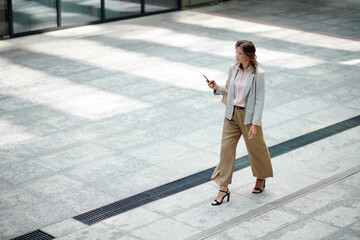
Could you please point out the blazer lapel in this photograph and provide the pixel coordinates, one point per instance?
(249, 81)
(232, 79)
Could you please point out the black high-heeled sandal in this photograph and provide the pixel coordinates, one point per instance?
(259, 189)
(227, 194)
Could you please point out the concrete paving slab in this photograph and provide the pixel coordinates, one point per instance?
(6, 185)
(259, 227)
(19, 222)
(164, 228)
(23, 171)
(71, 193)
(98, 231)
(205, 138)
(129, 139)
(160, 151)
(63, 228)
(44, 146)
(304, 230)
(282, 185)
(199, 162)
(206, 216)
(295, 127)
(353, 103)
(340, 216)
(132, 220)
(351, 181)
(329, 116)
(343, 234)
(74, 156)
(309, 160)
(307, 105)
(317, 200)
(17, 199)
(158, 175)
(40, 120)
(180, 202)
(14, 134)
(88, 173)
(355, 227)
(92, 131)
(117, 187)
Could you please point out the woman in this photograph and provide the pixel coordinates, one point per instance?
(244, 108)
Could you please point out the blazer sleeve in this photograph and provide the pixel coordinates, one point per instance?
(221, 89)
(259, 99)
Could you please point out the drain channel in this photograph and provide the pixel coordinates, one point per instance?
(35, 235)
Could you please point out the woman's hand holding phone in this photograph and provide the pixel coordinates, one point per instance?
(211, 83)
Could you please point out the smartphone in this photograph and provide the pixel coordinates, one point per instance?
(206, 78)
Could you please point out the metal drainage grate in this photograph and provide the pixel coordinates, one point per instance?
(199, 178)
(35, 235)
(143, 198)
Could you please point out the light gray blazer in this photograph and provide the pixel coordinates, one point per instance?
(254, 95)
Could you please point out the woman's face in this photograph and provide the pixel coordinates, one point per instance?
(240, 56)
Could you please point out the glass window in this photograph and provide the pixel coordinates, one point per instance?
(77, 12)
(121, 8)
(33, 15)
(160, 5)
(4, 21)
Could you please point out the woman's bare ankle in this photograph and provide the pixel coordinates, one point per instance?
(223, 188)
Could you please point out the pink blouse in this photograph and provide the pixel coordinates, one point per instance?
(240, 85)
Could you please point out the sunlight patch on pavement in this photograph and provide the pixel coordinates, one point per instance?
(286, 60)
(13, 134)
(217, 47)
(79, 32)
(354, 62)
(269, 31)
(64, 95)
(137, 64)
(191, 42)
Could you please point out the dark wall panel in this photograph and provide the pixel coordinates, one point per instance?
(4, 19)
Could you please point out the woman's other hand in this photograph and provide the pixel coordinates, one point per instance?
(212, 84)
(252, 132)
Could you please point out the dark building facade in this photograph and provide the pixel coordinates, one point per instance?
(23, 17)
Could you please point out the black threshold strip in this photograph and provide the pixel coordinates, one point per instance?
(194, 180)
(199, 178)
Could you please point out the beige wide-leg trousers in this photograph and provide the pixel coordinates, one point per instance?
(258, 152)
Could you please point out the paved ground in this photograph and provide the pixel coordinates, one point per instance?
(94, 114)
